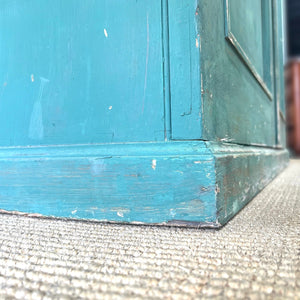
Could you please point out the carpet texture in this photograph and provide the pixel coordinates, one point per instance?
(256, 256)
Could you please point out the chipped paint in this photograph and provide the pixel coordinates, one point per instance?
(120, 214)
(172, 213)
(65, 177)
(105, 32)
(154, 164)
(179, 171)
(97, 167)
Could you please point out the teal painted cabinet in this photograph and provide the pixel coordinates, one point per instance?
(141, 111)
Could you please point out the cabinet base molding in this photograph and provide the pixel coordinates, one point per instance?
(192, 183)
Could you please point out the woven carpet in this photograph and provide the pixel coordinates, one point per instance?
(255, 256)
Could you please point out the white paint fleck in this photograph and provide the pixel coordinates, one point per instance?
(32, 78)
(110, 108)
(197, 162)
(120, 214)
(74, 212)
(105, 33)
(153, 164)
(197, 43)
(201, 82)
(172, 212)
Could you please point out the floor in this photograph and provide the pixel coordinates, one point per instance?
(256, 256)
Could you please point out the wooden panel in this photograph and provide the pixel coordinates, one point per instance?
(248, 28)
(145, 182)
(245, 24)
(241, 172)
(185, 82)
(236, 108)
(177, 183)
(77, 71)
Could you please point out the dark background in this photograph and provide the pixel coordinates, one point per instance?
(293, 27)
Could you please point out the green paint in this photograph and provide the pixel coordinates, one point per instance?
(185, 89)
(150, 183)
(236, 106)
(74, 72)
(171, 112)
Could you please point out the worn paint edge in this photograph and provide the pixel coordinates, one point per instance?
(272, 161)
(174, 148)
(172, 223)
(142, 206)
(166, 69)
(241, 173)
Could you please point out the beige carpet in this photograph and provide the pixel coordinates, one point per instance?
(256, 256)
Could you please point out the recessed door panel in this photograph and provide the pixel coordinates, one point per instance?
(87, 71)
(248, 28)
(237, 69)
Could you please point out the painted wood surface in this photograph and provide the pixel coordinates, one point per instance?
(241, 172)
(77, 72)
(150, 182)
(236, 108)
(185, 87)
(92, 101)
(252, 42)
(165, 183)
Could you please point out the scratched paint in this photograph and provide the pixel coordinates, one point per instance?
(105, 33)
(98, 166)
(123, 69)
(185, 69)
(36, 126)
(154, 162)
(237, 107)
(241, 174)
(72, 184)
(101, 116)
